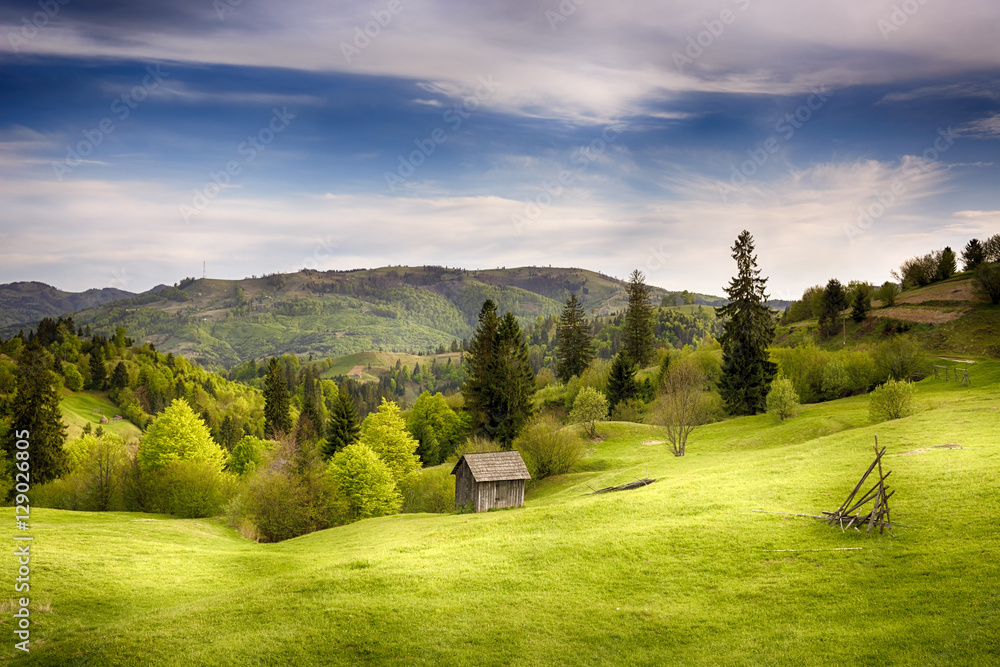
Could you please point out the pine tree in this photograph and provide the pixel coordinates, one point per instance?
(834, 300)
(947, 264)
(35, 417)
(98, 373)
(748, 331)
(574, 347)
(344, 426)
(478, 389)
(973, 255)
(119, 378)
(621, 381)
(515, 382)
(637, 343)
(862, 304)
(277, 418)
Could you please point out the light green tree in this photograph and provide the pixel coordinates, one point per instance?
(365, 482)
(384, 432)
(436, 427)
(589, 407)
(178, 434)
(248, 454)
(782, 400)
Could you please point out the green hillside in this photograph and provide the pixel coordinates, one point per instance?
(81, 408)
(683, 571)
(336, 313)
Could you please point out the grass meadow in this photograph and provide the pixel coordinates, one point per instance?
(683, 571)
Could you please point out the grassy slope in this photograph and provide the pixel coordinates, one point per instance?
(679, 572)
(77, 410)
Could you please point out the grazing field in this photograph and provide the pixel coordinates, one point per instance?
(679, 572)
(78, 410)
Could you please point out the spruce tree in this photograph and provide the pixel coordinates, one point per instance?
(574, 347)
(98, 373)
(478, 389)
(514, 380)
(973, 255)
(344, 427)
(35, 416)
(621, 381)
(637, 342)
(119, 378)
(277, 418)
(748, 331)
(833, 301)
(862, 304)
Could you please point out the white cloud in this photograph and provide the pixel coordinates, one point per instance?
(983, 128)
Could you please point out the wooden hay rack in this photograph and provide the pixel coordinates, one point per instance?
(851, 513)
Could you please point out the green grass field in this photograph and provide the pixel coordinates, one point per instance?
(78, 407)
(680, 572)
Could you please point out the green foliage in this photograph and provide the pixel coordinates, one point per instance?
(833, 302)
(630, 410)
(98, 372)
(973, 255)
(900, 358)
(74, 379)
(474, 444)
(621, 382)
(436, 427)
(248, 454)
(272, 504)
(433, 492)
(892, 400)
(947, 264)
(548, 449)
(277, 416)
(384, 432)
(887, 293)
(836, 382)
(637, 339)
(682, 406)
(574, 348)
(190, 488)
(589, 407)
(919, 271)
(98, 466)
(344, 427)
(178, 434)
(34, 414)
(782, 401)
(862, 303)
(987, 281)
(364, 479)
(748, 332)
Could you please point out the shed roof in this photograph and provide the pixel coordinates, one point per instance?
(495, 466)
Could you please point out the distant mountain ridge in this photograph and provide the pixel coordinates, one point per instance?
(335, 313)
(28, 302)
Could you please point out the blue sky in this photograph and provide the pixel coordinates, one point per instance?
(139, 140)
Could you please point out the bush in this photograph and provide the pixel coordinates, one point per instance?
(631, 410)
(892, 400)
(804, 366)
(272, 506)
(987, 282)
(248, 454)
(836, 380)
(366, 482)
(887, 293)
(434, 491)
(589, 407)
(548, 449)
(782, 401)
(900, 358)
(97, 466)
(74, 380)
(189, 489)
(475, 444)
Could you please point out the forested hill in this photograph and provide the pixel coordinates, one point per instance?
(335, 313)
(30, 302)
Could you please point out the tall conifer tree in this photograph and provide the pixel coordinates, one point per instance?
(344, 427)
(748, 332)
(637, 342)
(574, 346)
(35, 416)
(277, 418)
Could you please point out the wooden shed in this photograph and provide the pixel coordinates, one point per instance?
(491, 480)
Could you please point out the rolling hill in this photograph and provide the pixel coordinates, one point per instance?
(29, 302)
(335, 313)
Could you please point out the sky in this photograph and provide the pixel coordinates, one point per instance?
(141, 143)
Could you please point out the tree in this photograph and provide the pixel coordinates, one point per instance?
(499, 379)
(435, 426)
(682, 406)
(98, 465)
(892, 400)
(590, 406)
(887, 293)
(35, 417)
(119, 377)
(748, 331)
(782, 400)
(384, 432)
(834, 301)
(248, 454)
(277, 419)
(344, 427)
(637, 338)
(973, 255)
(621, 381)
(574, 345)
(98, 373)
(365, 481)
(991, 249)
(178, 434)
(862, 303)
(947, 264)
(987, 281)
(229, 433)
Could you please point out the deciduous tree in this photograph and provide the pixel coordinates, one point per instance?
(178, 434)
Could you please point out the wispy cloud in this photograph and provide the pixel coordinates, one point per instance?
(983, 128)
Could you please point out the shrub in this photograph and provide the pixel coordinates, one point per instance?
(900, 358)
(987, 282)
(589, 407)
(887, 293)
(98, 466)
(475, 444)
(365, 481)
(434, 491)
(248, 454)
(548, 449)
(892, 400)
(272, 506)
(782, 401)
(631, 410)
(189, 489)
(836, 381)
